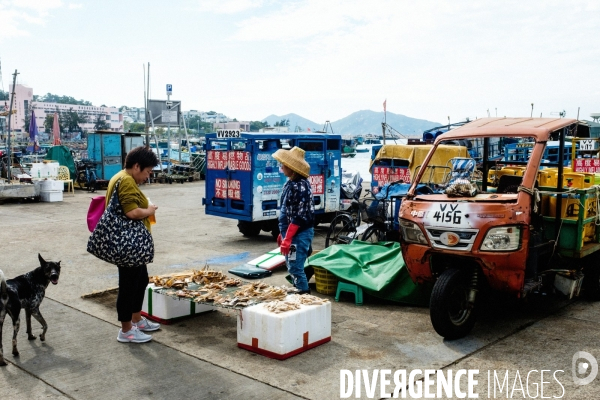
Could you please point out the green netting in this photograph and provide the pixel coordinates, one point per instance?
(378, 268)
(62, 154)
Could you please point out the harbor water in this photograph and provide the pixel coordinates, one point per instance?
(360, 163)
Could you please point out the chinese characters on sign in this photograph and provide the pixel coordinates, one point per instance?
(316, 184)
(272, 186)
(590, 165)
(385, 175)
(216, 160)
(227, 190)
(239, 160)
(233, 160)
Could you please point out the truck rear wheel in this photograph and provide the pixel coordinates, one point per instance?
(275, 231)
(249, 228)
(451, 314)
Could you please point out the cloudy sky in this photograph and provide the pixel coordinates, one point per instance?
(321, 59)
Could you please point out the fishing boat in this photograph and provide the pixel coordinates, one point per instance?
(372, 139)
(348, 147)
(362, 149)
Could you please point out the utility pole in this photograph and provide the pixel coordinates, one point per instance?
(147, 124)
(9, 149)
(169, 92)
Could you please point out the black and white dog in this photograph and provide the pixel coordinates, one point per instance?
(26, 291)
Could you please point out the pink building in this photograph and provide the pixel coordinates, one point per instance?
(24, 98)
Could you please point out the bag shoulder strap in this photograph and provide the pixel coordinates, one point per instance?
(114, 197)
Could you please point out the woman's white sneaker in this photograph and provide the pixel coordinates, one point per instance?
(133, 336)
(146, 325)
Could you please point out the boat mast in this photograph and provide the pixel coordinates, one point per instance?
(384, 124)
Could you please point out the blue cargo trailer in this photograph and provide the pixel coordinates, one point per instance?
(105, 149)
(244, 181)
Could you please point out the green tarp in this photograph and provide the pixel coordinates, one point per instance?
(378, 268)
(62, 154)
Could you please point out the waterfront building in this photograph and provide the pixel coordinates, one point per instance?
(134, 114)
(244, 126)
(23, 100)
(206, 116)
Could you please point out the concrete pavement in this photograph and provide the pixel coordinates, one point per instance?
(198, 357)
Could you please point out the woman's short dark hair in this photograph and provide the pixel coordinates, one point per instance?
(142, 155)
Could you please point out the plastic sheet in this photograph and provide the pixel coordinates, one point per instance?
(378, 268)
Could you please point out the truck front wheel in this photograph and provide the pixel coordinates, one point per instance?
(249, 228)
(451, 310)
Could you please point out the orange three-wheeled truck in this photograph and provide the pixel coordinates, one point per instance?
(512, 217)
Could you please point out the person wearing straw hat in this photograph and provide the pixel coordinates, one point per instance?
(297, 215)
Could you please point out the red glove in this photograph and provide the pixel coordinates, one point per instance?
(284, 247)
(279, 240)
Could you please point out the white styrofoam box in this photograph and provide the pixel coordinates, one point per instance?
(269, 261)
(50, 170)
(568, 286)
(50, 185)
(163, 308)
(285, 334)
(51, 196)
(36, 170)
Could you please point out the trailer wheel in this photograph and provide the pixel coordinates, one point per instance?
(249, 228)
(451, 315)
(341, 231)
(275, 231)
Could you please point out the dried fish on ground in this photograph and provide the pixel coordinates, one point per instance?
(174, 281)
(214, 286)
(308, 300)
(260, 291)
(232, 282)
(206, 275)
(293, 302)
(281, 306)
(207, 286)
(184, 293)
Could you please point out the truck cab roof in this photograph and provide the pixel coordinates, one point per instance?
(539, 128)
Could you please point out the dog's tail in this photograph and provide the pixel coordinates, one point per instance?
(3, 290)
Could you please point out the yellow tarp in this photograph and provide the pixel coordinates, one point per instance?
(417, 153)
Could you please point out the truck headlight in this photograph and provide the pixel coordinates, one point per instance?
(504, 238)
(411, 233)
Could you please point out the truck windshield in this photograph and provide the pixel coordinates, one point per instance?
(470, 161)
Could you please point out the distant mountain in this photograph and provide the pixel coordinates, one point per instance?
(367, 121)
(295, 120)
(360, 123)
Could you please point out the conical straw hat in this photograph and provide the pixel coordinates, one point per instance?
(294, 160)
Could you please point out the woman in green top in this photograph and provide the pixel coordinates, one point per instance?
(134, 280)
